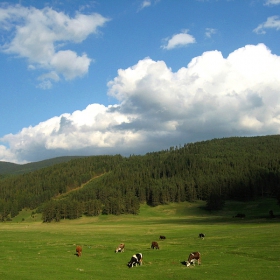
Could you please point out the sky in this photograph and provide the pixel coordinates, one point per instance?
(135, 76)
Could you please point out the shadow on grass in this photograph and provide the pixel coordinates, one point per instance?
(214, 220)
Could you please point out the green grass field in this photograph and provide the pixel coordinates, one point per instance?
(233, 248)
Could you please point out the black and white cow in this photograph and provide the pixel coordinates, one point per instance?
(201, 235)
(120, 248)
(135, 260)
(193, 257)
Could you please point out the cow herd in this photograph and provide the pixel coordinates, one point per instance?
(137, 259)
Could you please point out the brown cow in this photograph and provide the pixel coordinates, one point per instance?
(120, 248)
(193, 257)
(79, 251)
(162, 237)
(154, 245)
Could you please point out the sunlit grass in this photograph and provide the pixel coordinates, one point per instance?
(233, 248)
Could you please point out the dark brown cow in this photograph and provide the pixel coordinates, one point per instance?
(79, 251)
(162, 237)
(154, 245)
(120, 248)
(193, 257)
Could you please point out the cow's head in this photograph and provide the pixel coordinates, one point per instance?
(191, 262)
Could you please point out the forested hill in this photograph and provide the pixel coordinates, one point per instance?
(13, 168)
(215, 170)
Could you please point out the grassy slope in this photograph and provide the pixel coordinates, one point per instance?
(233, 248)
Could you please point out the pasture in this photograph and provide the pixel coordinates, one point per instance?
(232, 249)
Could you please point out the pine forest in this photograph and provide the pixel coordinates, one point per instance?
(237, 168)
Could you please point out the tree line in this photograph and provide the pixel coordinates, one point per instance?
(240, 168)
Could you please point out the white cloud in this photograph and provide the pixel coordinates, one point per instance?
(211, 97)
(50, 76)
(272, 2)
(39, 35)
(45, 84)
(69, 64)
(46, 79)
(145, 4)
(271, 22)
(178, 40)
(8, 155)
(209, 32)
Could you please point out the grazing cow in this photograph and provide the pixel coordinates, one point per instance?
(193, 257)
(79, 251)
(135, 260)
(162, 237)
(201, 235)
(120, 248)
(154, 245)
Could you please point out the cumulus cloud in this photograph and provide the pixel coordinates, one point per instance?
(271, 23)
(70, 64)
(212, 96)
(8, 155)
(40, 35)
(178, 40)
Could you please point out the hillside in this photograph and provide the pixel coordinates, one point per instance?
(15, 169)
(237, 168)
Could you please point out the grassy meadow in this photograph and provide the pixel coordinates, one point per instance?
(233, 248)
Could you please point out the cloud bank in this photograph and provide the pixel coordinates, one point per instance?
(157, 108)
(41, 36)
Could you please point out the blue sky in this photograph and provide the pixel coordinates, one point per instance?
(133, 76)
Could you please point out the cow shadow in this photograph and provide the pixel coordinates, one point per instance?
(184, 263)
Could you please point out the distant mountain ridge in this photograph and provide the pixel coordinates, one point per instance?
(16, 169)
